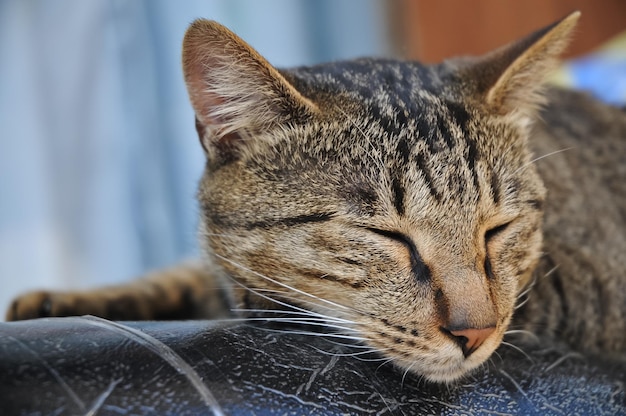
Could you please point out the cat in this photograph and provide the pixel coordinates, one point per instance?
(425, 210)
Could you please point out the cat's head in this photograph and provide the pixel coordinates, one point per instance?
(396, 201)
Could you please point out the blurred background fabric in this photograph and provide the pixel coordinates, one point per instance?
(99, 158)
(602, 72)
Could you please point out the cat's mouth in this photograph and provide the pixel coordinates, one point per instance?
(441, 356)
(450, 363)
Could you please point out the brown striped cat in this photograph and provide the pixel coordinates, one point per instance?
(399, 203)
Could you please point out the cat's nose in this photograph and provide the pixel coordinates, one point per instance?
(471, 338)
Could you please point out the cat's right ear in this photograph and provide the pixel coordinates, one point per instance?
(237, 96)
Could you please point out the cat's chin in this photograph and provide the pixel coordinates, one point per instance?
(449, 365)
(444, 374)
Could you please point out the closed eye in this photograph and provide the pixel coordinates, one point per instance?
(490, 235)
(418, 267)
(494, 232)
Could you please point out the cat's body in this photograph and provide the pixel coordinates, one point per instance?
(400, 203)
(580, 291)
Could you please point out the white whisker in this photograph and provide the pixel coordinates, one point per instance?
(277, 311)
(368, 360)
(352, 354)
(515, 347)
(563, 358)
(285, 304)
(279, 292)
(351, 345)
(519, 331)
(317, 334)
(522, 303)
(314, 315)
(282, 284)
(552, 270)
(542, 157)
(406, 372)
(530, 287)
(317, 305)
(304, 321)
(285, 294)
(382, 364)
(527, 289)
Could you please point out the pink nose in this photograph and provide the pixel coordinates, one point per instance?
(470, 339)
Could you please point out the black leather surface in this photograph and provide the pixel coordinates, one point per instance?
(67, 366)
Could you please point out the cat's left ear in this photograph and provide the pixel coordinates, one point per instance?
(510, 79)
(236, 94)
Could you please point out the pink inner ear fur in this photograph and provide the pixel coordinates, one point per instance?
(232, 88)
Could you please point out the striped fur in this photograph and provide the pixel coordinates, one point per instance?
(399, 202)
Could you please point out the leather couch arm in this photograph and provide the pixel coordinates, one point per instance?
(90, 366)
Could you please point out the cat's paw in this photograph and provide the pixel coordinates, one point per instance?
(33, 305)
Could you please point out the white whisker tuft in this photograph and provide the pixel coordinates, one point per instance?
(276, 282)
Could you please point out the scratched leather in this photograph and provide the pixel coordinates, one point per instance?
(90, 366)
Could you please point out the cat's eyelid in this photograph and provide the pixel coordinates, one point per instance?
(419, 268)
(497, 230)
(394, 235)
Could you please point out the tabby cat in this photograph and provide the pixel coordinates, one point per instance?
(397, 202)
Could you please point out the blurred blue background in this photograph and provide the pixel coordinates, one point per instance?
(99, 156)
